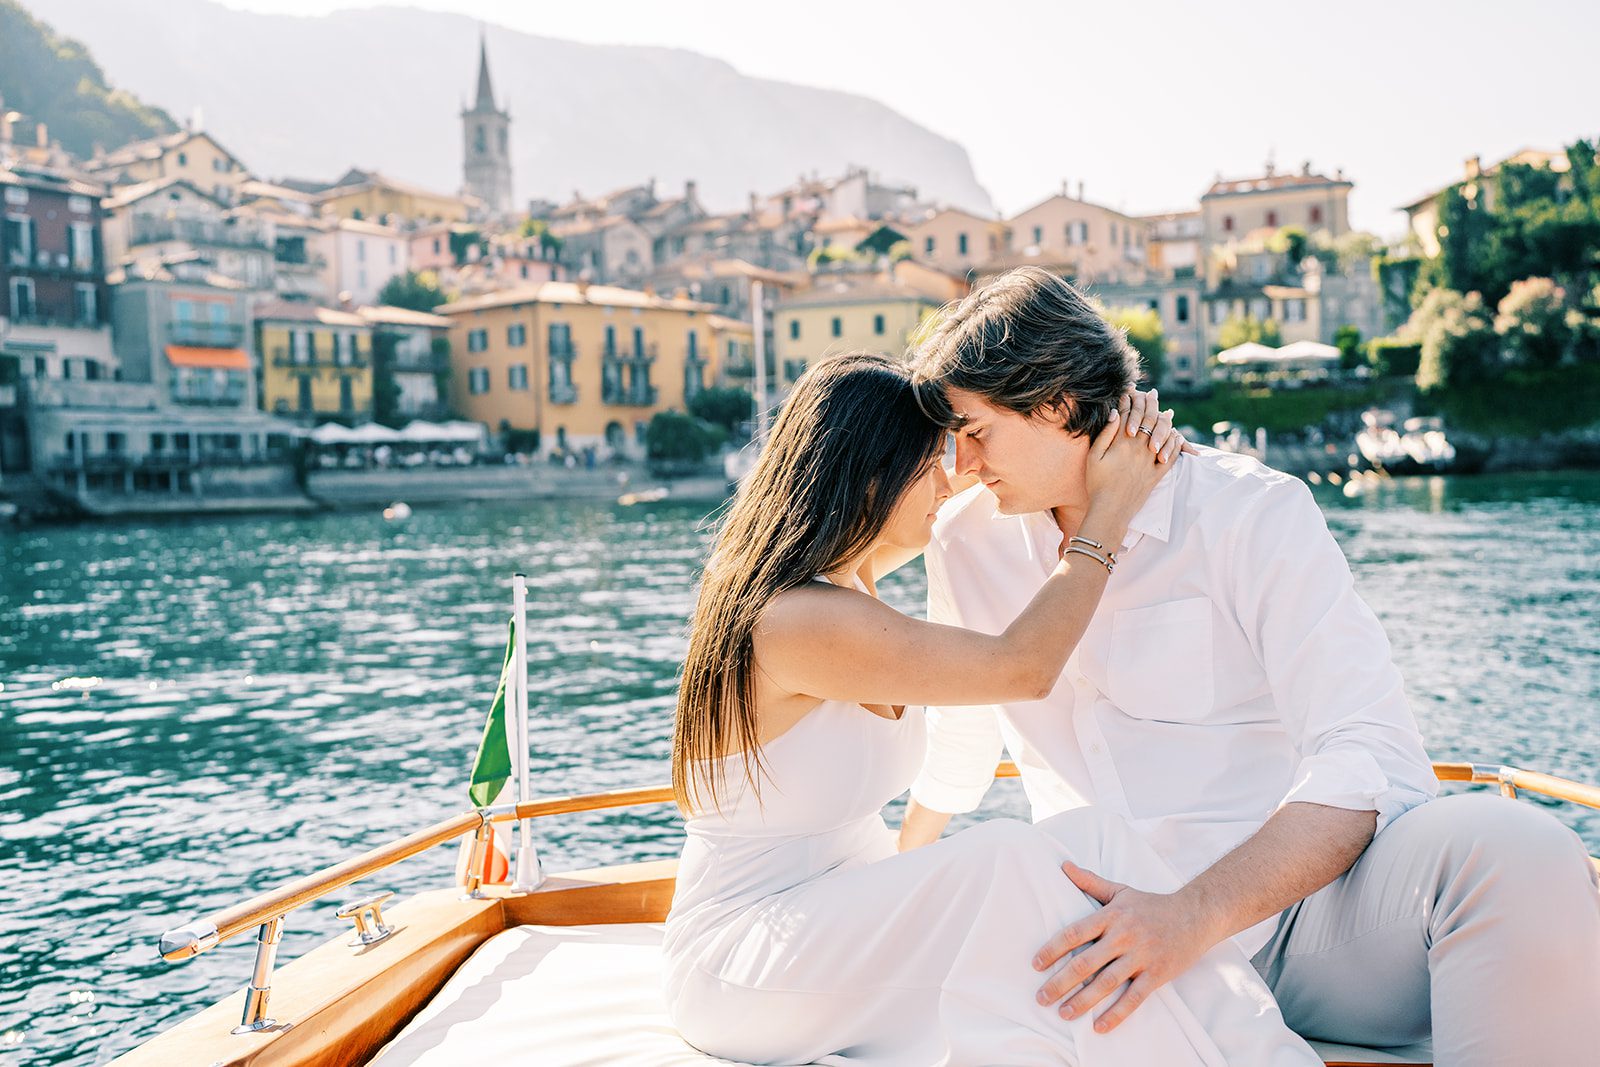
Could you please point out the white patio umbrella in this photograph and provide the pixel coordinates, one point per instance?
(1249, 352)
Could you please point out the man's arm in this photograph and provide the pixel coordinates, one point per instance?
(1362, 764)
(1148, 939)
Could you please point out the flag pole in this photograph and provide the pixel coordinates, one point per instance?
(529, 874)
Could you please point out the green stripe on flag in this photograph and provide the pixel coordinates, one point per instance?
(492, 768)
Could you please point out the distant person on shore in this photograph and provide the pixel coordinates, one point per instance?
(798, 933)
(1236, 702)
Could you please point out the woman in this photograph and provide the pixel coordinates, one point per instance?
(797, 934)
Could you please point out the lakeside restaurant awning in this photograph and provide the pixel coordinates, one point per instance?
(1309, 352)
(1249, 352)
(370, 433)
(208, 358)
(460, 431)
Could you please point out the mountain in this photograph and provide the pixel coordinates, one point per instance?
(53, 80)
(381, 88)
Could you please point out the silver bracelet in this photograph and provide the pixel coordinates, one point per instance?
(1108, 563)
(1076, 540)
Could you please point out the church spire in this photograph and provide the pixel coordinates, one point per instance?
(485, 90)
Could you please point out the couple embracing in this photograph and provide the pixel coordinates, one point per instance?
(1235, 836)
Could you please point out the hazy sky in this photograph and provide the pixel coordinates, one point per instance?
(1145, 101)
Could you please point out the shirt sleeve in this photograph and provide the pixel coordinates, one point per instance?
(964, 743)
(1327, 660)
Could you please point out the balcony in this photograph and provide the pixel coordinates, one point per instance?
(563, 393)
(205, 334)
(41, 261)
(283, 357)
(637, 394)
(146, 229)
(59, 322)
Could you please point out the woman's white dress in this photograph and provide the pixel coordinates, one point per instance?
(799, 935)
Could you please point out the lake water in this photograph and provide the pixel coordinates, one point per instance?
(195, 711)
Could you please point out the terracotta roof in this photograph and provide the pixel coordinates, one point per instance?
(131, 194)
(571, 293)
(374, 180)
(918, 223)
(152, 148)
(1074, 200)
(297, 311)
(1270, 183)
(575, 229)
(393, 316)
(61, 183)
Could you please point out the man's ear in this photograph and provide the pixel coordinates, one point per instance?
(1056, 413)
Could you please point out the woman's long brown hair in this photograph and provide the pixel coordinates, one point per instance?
(849, 441)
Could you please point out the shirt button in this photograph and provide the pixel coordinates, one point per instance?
(1094, 750)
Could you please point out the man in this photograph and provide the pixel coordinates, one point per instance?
(1236, 702)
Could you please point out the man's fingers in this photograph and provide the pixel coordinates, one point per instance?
(1076, 971)
(1079, 933)
(1101, 889)
(1104, 984)
(1136, 994)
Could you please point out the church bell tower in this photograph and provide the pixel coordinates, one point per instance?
(486, 133)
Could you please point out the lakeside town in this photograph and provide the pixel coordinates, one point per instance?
(179, 333)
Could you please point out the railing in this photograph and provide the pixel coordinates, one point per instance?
(69, 322)
(145, 229)
(51, 262)
(205, 334)
(629, 395)
(284, 357)
(265, 912)
(563, 393)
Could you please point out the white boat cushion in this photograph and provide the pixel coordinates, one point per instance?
(575, 996)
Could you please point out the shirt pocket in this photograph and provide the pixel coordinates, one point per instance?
(1160, 667)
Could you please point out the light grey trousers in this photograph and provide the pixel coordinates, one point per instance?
(1472, 917)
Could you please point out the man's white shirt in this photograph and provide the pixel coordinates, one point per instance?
(1229, 669)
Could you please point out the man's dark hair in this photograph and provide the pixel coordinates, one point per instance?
(1023, 341)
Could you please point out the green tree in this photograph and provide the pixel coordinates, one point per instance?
(1538, 330)
(54, 80)
(1352, 351)
(1239, 329)
(724, 407)
(541, 229)
(417, 291)
(1459, 345)
(674, 440)
(1142, 328)
(1292, 243)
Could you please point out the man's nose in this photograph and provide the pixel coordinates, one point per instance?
(966, 457)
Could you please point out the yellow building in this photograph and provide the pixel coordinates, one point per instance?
(316, 362)
(848, 314)
(369, 195)
(193, 156)
(734, 343)
(579, 366)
